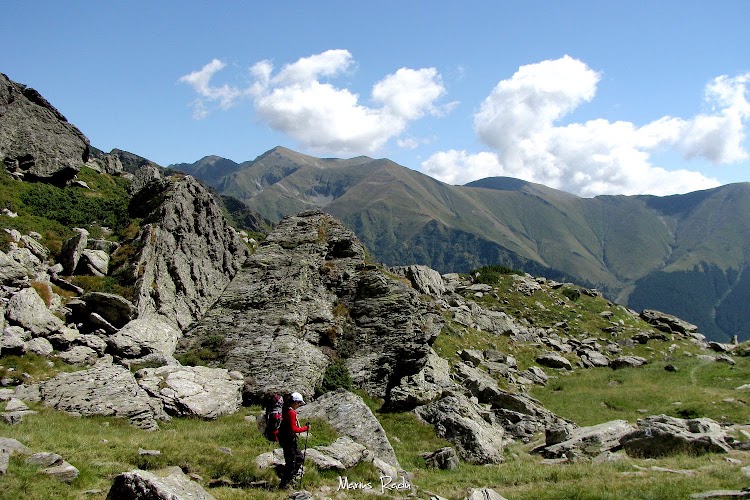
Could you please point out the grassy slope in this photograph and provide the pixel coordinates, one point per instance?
(103, 447)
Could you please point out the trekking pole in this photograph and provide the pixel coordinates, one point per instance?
(304, 456)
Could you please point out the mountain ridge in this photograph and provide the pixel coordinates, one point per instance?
(630, 247)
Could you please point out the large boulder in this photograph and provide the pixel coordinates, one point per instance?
(195, 391)
(458, 420)
(424, 279)
(36, 141)
(143, 336)
(350, 416)
(589, 441)
(72, 249)
(105, 389)
(662, 435)
(187, 252)
(28, 310)
(115, 309)
(170, 483)
(10, 269)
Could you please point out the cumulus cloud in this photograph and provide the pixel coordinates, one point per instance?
(200, 80)
(301, 101)
(519, 122)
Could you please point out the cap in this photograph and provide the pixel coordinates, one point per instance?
(296, 396)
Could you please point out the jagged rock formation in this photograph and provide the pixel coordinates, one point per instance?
(36, 141)
(306, 296)
(187, 252)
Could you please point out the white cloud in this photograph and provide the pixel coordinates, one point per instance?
(299, 102)
(200, 80)
(518, 120)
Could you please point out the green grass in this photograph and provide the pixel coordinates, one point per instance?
(103, 447)
(702, 389)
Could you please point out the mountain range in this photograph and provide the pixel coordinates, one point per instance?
(684, 254)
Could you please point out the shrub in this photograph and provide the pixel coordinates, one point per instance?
(572, 293)
(336, 376)
(490, 275)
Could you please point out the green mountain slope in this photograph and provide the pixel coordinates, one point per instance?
(683, 254)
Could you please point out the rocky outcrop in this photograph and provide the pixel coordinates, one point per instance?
(459, 421)
(667, 322)
(306, 297)
(187, 252)
(194, 391)
(169, 483)
(588, 441)
(520, 415)
(350, 416)
(105, 389)
(661, 435)
(36, 141)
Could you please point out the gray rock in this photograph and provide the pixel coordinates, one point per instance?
(36, 141)
(590, 441)
(484, 494)
(187, 251)
(11, 446)
(722, 494)
(4, 461)
(519, 414)
(322, 461)
(27, 309)
(39, 346)
(15, 404)
(79, 355)
(63, 472)
(424, 279)
(425, 386)
(661, 435)
(95, 262)
(627, 362)
(595, 358)
(12, 341)
(39, 250)
(170, 483)
(270, 459)
(459, 421)
(306, 291)
(348, 452)
(350, 416)
(145, 335)
(115, 309)
(105, 389)
(668, 322)
(444, 459)
(10, 269)
(553, 360)
(72, 249)
(44, 459)
(28, 393)
(196, 391)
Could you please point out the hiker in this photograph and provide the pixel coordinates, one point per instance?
(293, 457)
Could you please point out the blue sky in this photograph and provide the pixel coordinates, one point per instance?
(588, 97)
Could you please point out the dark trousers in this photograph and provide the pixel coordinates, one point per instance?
(293, 460)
